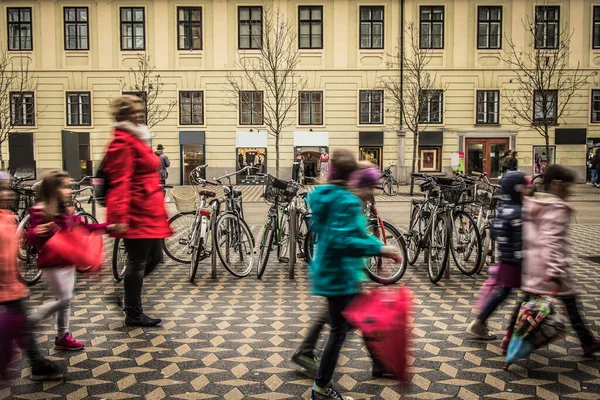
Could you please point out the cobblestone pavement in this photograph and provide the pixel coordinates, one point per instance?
(252, 194)
(232, 339)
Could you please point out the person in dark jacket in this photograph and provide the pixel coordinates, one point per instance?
(506, 231)
(513, 163)
(595, 167)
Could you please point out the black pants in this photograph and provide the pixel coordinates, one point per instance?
(32, 349)
(144, 255)
(583, 333)
(493, 303)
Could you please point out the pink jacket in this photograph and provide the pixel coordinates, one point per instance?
(546, 220)
(11, 288)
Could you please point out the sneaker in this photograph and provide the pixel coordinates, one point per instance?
(46, 370)
(308, 361)
(480, 331)
(327, 393)
(67, 343)
(379, 371)
(594, 348)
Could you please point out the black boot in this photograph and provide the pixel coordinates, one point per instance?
(134, 316)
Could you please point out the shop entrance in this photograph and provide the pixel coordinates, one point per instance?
(311, 156)
(372, 154)
(254, 157)
(192, 156)
(485, 155)
(76, 154)
(20, 153)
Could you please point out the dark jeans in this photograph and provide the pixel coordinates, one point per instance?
(585, 336)
(32, 349)
(310, 341)
(144, 255)
(499, 296)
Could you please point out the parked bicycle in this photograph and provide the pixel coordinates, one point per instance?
(389, 185)
(276, 231)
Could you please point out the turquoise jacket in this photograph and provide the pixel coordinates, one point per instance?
(342, 241)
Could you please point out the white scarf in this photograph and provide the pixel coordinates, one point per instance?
(141, 131)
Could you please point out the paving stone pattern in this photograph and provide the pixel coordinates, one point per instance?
(232, 339)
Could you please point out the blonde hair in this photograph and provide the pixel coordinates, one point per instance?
(122, 107)
(49, 193)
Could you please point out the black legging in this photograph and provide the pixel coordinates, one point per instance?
(144, 255)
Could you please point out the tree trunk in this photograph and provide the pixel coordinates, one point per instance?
(2, 166)
(277, 154)
(547, 138)
(414, 162)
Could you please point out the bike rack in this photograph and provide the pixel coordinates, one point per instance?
(213, 251)
(292, 241)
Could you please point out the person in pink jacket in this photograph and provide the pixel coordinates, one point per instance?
(548, 262)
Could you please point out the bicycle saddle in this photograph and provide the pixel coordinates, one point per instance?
(207, 193)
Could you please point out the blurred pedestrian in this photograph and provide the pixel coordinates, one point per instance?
(513, 164)
(595, 166)
(135, 203)
(51, 214)
(163, 167)
(13, 292)
(548, 262)
(505, 162)
(506, 231)
(338, 265)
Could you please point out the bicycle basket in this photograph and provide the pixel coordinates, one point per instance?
(278, 191)
(452, 194)
(185, 198)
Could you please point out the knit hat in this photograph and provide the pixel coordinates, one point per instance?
(365, 178)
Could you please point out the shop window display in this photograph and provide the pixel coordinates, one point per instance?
(255, 157)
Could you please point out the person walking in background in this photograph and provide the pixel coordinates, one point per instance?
(338, 266)
(513, 164)
(548, 262)
(51, 214)
(506, 231)
(13, 292)
(595, 165)
(135, 203)
(163, 168)
(505, 163)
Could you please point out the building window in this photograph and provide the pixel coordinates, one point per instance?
(371, 27)
(596, 42)
(311, 108)
(79, 109)
(432, 27)
(189, 22)
(545, 106)
(191, 108)
(431, 112)
(488, 106)
(371, 106)
(251, 108)
(133, 35)
(76, 28)
(310, 27)
(595, 105)
(547, 27)
(489, 27)
(250, 28)
(22, 109)
(19, 29)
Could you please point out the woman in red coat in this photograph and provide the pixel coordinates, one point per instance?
(135, 202)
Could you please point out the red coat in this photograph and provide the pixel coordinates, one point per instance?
(11, 287)
(134, 196)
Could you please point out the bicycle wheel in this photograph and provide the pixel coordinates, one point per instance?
(197, 248)
(466, 243)
(413, 246)
(119, 259)
(88, 218)
(283, 246)
(266, 243)
(383, 270)
(439, 247)
(392, 187)
(177, 247)
(486, 237)
(27, 255)
(234, 244)
(310, 246)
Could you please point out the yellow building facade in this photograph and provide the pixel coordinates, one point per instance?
(79, 51)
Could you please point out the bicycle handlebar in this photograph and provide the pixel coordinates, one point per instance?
(246, 168)
(77, 183)
(83, 189)
(21, 179)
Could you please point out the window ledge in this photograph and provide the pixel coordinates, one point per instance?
(190, 52)
(20, 51)
(484, 125)
(191, 127)
(248, 127)
(371, 126)
(77, 52)
(309, 127)
(85, 128)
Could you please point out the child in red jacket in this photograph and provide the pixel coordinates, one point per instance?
(49, 216)
(12, 291)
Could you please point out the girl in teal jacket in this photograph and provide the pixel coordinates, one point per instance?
(338, 265)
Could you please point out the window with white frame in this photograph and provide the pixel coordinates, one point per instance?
(371, 107)
(431, 109)
(79, 110)
(251, 108)
(311, 108)
(191, 108)
(547, 27)
(545, 106)
(22, 109)
(488, 106)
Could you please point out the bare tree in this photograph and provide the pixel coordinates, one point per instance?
(15, 78)
(544, 86)
(409, 97)
(272, 70)
(148, 85)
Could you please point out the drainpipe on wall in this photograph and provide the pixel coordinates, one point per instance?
(400, 167)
